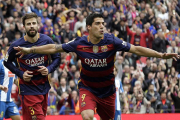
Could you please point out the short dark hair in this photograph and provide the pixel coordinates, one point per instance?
(91, 17)
(28, 16)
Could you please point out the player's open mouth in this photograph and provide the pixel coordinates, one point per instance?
(102, 32)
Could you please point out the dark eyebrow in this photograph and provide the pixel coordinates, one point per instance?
(100, 22)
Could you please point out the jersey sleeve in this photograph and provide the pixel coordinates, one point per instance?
(9, 59)
(71, 45)
(121, 45)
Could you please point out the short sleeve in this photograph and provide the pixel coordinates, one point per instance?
(70, 46)
(121, 45)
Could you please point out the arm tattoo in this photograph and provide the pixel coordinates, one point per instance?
(58, 47)
(32, 50)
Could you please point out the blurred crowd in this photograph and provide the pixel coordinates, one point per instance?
(151, 88)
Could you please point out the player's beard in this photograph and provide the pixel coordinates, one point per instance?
(32, 34)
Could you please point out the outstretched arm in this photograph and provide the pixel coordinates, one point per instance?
(146, 52)
(44, 49)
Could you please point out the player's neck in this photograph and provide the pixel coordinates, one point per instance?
(32, 39)
(93, 39)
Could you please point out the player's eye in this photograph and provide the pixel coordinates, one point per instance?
(97, 23)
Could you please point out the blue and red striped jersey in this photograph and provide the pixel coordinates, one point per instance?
(97, 62)
(39, 84)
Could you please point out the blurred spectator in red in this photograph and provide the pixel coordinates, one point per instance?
(138, 38)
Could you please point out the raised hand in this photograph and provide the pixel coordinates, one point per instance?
(175, 56)
(43, 70)
(26, 76)
(22, 51)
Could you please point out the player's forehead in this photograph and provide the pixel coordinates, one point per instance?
(30, 20)
(98, 19)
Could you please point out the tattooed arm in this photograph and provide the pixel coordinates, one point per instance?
(44, 49)
(47, 49)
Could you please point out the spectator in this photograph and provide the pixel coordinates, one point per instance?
(172, 49)
(126, 73)
(107, 20)
(66, 105)
(174, 24)
(63, 87)
(80, 23)
(138, 38)
(52, 101)
(122, 6)
(175, 95)
(160, 43)
(121, 28)
(44, 18)
(164, 105)
(138, 22)
(72, 85)
(77, 5)
(76, 77)
(37, 9)
(147, 69)
(17, 36)
(66, 33)
(109, 7)
(164, 29)
(97, 7)
(72, 18)
(141, 104)
(11, 33)
(47, 28)
(152, 96)
(150, 17)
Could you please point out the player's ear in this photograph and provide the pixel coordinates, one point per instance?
(38, 27)
(88, 27)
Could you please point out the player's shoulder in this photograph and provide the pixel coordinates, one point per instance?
(18, 42)
(109, 36)
(44, 37)
(79, 39)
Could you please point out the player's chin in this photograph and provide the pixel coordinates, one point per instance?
(101, 35)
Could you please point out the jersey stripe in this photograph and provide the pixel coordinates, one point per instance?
(89, 49)
(97, 79)
(32, 88)
(9, 89)
(99, 84)
(6, 79)
(1, 78)
(34, 82)
(97, 73)
(109, 59)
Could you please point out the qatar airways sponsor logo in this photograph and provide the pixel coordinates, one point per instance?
(35, 61)
(96, 62)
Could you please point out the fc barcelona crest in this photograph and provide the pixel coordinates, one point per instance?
(95, 49)
(104, 48)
